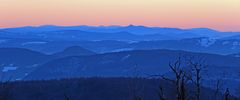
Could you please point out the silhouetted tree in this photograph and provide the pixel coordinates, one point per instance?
(227, 94)
(66, 97)
(137, 98)
(197, 65)
(5, 88)
(133, 86)
(180, 78)
(161, 93)
(5, 91)
(217, 89)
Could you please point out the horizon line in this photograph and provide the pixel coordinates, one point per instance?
(147, 26)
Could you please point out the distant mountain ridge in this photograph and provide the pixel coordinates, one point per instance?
(201, 44)
(131, 32)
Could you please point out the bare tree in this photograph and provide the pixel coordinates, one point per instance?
(180, 80)
(5, 88)
(217, 89)
(197, 65)
(66, 97)
(161, 93)
(133, 86)
(5, 91)
(137, 98)
(227, 94)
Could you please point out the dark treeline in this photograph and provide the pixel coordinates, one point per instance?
(96, 89)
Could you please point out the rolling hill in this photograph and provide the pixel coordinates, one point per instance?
(145, 62)
(73, 51)
(16, 63)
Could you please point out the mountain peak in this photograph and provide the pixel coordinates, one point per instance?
(204, 29)
(74, 51)
(135, 26)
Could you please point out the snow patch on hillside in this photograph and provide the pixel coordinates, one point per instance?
(235, 44)
(29, 43)
(10, 67)
(237, 55)
(225, 42)
(124, 49)
(3, 41)
(206, 42)
(125, 57)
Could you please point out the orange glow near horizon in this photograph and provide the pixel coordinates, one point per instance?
(223, 15)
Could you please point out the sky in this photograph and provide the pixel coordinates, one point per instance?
(222, 15)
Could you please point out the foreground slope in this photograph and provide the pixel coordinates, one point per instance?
(96, 89)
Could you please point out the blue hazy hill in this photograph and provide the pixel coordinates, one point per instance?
(146, 62)
(16, 63)
(130, 32)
